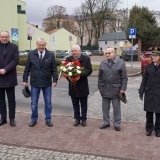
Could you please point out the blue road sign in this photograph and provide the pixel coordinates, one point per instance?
(132, 32)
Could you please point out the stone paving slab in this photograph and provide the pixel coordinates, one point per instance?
(130, 143)
(131, 112)
(22, 153)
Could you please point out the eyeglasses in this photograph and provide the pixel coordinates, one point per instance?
(108, 53)
(4, 37)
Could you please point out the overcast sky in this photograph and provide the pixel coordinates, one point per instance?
(37, 9)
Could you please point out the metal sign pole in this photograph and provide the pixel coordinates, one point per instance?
(132, 56)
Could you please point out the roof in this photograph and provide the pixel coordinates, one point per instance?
(52, 31)
(113, 36)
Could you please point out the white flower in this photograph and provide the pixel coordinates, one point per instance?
(64, 69)
(78, 71)
(78, 67)
(61, 67)
(70, 68)
(70, 73)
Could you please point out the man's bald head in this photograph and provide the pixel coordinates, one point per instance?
(76, 51)
(110, 53)
(76, 46)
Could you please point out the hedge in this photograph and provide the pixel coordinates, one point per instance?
(23, 60)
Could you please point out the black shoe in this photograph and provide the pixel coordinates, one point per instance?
(83, 123)
(77, 122)
(2, 122)
(158, 134)
(49, 123)
(32, 123)
(104, 126)
(117, 128)
(12, 123)
(148, 133)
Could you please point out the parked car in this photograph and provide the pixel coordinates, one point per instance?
(60, 54)
(126, 55)
(70, 54)
(97, 53)
(145, 60)
(88, 53)
(21, 53)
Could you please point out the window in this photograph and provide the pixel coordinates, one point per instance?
(125, 41)
(115, 42)
(105, 42)
(19, 10)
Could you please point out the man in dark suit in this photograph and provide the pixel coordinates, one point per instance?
(79, 93)
(9, 57)
(41, 66)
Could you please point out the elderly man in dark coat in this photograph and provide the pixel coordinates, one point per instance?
(150, 86)
(79, 93)
(112, 80)
(41, 66)
(9, 57)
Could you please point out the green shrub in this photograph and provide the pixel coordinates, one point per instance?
(23, 60)
(58, 62)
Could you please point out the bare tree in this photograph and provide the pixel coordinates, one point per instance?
(55, 16)
(80, 17)
(69, 25)
(99, 11)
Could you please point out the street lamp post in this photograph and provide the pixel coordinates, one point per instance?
(118, 30)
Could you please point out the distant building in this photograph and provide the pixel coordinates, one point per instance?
(13, 18)
(61, 39)
(117, 40)
(156, 14)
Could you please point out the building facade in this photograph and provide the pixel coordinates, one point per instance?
(61, 39)
(13, 18)
(116, 40)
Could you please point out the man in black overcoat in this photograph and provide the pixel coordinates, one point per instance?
(150, 88)
(79, 93)
(9, 57)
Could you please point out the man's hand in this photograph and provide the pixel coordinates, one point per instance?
(2, 71)
(54, 84)
(25, 84)
(122, 91)
(141, 97)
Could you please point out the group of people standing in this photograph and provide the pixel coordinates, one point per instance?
(42, 70)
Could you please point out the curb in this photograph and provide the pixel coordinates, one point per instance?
(134, 74)
(93, 75)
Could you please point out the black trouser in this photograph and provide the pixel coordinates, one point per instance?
(11, 102)
(150, 122)
(77, 102)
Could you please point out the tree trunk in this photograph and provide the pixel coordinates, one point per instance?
(139, 49)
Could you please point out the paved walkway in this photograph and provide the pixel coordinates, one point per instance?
(64, 141)
(130, 143)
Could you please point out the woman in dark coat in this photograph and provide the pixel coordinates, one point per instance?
(150, 87)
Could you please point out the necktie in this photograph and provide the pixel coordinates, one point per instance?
(40, 59)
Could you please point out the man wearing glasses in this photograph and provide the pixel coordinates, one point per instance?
(9, 57)
(112, 80)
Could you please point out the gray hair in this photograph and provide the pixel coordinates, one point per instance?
(76, 46)
(4, 31)
(41, 39)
